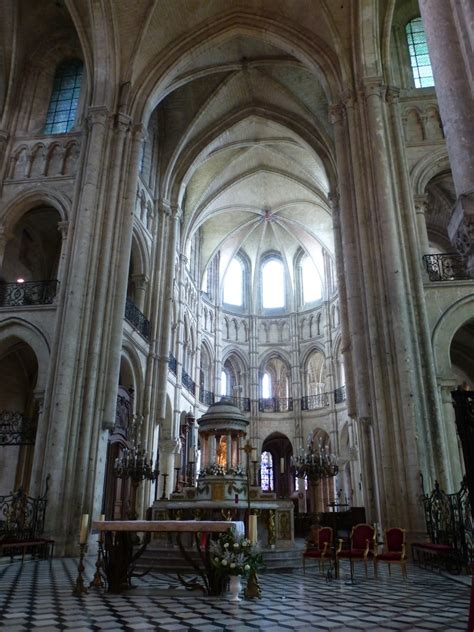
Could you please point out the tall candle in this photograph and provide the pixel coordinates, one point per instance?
(84, 532)
(282, 465)
(102, 518)
(253, 528)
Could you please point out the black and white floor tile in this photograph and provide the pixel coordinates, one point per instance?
(38, 596)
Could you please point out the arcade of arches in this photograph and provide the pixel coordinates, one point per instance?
(211, 199)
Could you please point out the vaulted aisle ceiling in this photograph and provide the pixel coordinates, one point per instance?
(246, 152)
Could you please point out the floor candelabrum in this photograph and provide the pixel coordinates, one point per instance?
(135, 465)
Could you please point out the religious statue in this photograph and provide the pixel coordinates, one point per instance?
(221, 452)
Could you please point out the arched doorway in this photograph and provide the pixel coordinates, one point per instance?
(275, 462)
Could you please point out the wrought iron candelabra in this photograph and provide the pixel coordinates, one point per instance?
(314, 464)
(135, 465)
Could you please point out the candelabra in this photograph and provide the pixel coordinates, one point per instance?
(79, 588)
(135, 465)
(314, 464)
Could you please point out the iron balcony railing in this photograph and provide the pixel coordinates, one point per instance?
(275, 404)
(206, 397)
(446, 267)
(16, 429)
(313, 402)
(28, 293)
(188, 382)
(243, 403)
(173, 364)
(136, 319)
(340, 394)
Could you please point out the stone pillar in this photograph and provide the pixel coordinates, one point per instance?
(63, 228)
(39, 448)
(452, 74)
(168, 449)
(140, 282)
(455, 451)
(421, 206)
(229, 450)
(5, 236)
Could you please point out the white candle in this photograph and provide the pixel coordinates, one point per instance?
(84, 532)
(102, 518)
(253, 528)
(282, 465)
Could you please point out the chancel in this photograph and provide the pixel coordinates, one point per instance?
(237, 285)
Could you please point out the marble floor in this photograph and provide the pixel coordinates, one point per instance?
(37, 596)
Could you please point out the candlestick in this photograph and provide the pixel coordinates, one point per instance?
(97, 581)
(253, 528)
(79, 588)
(176, 489)
(84, 532)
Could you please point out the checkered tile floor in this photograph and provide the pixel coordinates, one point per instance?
(37, 596)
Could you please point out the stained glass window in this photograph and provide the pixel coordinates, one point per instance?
(311, 281)
(266, 386)
(419, 56)
(273, 284)
(64, 98)
(266, 471)
(234, 283)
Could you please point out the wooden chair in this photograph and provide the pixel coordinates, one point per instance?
(362, 546)
(394, 550)
(318, 546)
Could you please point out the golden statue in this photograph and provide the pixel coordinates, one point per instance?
(221, 452)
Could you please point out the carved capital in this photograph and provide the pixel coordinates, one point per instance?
(334, 199)
(337, 112)
(170, 446)
(97, 116)
(63, 228)
(392, 95)
(421, 204)
(373, 87)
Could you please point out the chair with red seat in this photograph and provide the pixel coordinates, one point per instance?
(318, 546)
(362, 546)
(394, 550)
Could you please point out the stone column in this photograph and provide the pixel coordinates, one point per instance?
(452, 72)
(229, 449)
(63, 228)
(455, 451)
(39, 447)
(5, 236)
(421, 206)
(140, 282)
(168, 449)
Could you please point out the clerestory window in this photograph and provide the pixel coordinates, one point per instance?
(234, 283)
(419, 56)
(64, 98)
(273, 284)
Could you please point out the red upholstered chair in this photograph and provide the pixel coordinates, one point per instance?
(362, 546)
(394, 550)
(318, 546)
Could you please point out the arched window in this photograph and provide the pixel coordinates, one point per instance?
(311, 281)
(419, 56)
(65, 97)
(266, 471)
(273, 284)
(223, 383)
(266, 386)
(234, 283)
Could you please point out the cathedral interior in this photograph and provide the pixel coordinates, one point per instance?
(264, 203)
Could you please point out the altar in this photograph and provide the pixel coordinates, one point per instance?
(118, 552)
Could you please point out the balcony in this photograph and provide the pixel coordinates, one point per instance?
(446, 267)
(275, 404)
(243, 403)
(340, 395)
(28, 293)
(15, 429)
(206, 397)
(136, 319)
(188, 382)
(314, 402)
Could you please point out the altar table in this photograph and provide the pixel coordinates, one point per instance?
(117, 556)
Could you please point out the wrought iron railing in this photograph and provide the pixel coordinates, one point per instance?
(340, 394)
(445, 267)
(206, 397)
(243, 403)
(313, 402)
(173, 364)
(136, 319)
(188, 382)
(16, 429)
(28, 293)
(275, 404)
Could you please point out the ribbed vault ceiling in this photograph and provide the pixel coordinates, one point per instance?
(245, 149)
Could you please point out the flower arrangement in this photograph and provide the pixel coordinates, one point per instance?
(219, 470)
(233, 554)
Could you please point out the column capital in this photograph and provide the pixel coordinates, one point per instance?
(170, 446)
(63, 228)
(421, 203)
(373, 87)
(392, 95)
(97, 115)
(337, 113)
(334, 198)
